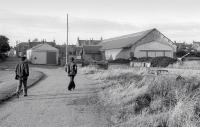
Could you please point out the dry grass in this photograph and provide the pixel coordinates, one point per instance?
(140, 100)
(187, 65)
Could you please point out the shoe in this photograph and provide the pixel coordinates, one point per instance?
(25, 95)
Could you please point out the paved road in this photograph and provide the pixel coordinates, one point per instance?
(49, 104)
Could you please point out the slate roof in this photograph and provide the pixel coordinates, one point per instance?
(124, 41)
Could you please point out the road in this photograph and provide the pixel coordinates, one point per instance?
(49, 104)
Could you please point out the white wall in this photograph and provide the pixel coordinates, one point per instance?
(28, 54)
(38, 57)
(198, 49)
(153, 49)
(111, 54)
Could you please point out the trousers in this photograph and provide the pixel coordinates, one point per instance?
(22, 82)
(72, 78)
(71, 83)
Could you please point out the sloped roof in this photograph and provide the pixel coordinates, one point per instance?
(92, 49)
(44, 46)
(90, 42)
(124, 41)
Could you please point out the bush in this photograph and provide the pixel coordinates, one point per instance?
(144, 59)
(180, 53)
(162, 61)
(3, 56)
(194, 54)
(120, 60)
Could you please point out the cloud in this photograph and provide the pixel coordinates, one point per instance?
(52, 22)
(19, 26)
(99, 25)
(185, 31)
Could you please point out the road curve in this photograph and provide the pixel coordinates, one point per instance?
(49, 104)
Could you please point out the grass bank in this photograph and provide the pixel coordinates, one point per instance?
(137, 99)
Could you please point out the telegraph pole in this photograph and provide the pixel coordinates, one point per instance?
(67, 41)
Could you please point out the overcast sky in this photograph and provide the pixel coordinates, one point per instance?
(46, 19)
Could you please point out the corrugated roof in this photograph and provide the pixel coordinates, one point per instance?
(124, 41)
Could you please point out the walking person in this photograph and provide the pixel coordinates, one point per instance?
(22, 73)
(72, 71)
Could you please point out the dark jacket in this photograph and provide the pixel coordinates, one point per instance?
(22, 70)
(72, 69)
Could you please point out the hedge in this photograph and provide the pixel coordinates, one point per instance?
(162, 61)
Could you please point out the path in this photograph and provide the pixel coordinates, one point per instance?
(49, 104)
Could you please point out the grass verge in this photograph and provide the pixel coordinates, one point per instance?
(136, 99)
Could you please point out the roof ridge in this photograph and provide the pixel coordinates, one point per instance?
(37, 46)
(143, 36)
(127, 35)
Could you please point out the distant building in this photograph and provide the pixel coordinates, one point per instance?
(149, 43)
(43, 54)
(88, 42)
(183, 47)
(12, 52)
(22, 47)
(89, 50)
(92, 53)
(196, 46)
(34, 43)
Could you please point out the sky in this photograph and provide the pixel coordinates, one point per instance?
(21, 20)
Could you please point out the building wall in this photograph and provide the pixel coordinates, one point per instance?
(153, 49)
(92, 57)
(28, 54)
(39, 57)
(112, 54)
(124, 54)
(153, 44)
(155, 36)
(198, 49)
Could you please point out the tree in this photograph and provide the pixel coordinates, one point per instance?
(35, 40)
(4, 44)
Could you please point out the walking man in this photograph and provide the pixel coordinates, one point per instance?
(72, 71)
(22, 73)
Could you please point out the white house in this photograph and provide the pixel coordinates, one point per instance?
(43, 54)
(149, 43)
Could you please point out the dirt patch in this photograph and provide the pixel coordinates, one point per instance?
(87, 100)
(90, 103)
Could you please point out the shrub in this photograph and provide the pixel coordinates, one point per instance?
(3, 56)
(162, 61)
(144, 59)
(194, 54)
(180, 53)
(120, 60)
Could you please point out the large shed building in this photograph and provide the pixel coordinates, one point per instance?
(149, 43)
(43, 54)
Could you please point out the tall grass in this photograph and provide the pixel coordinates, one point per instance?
(137, 99)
